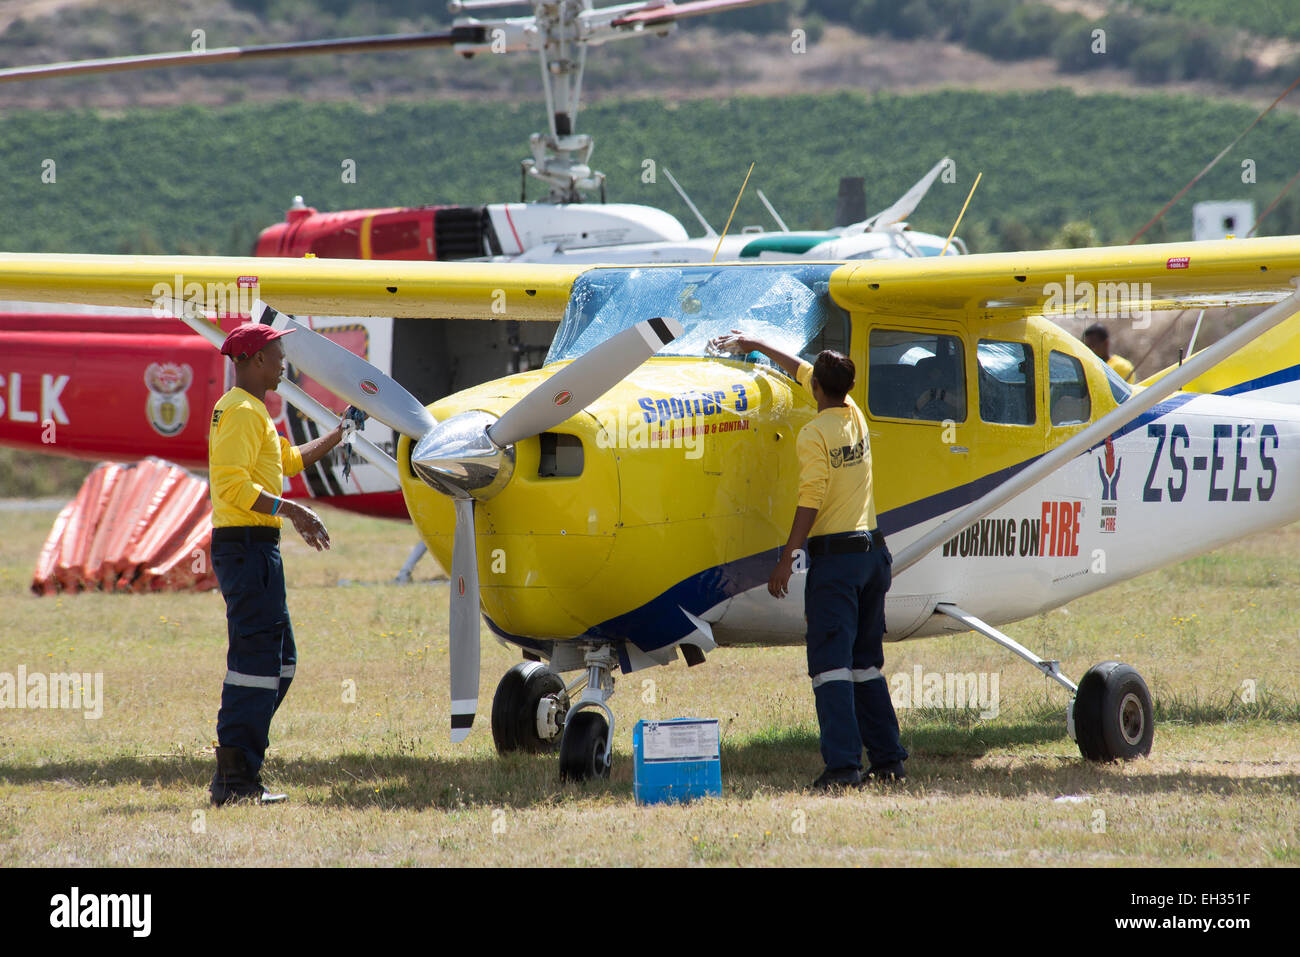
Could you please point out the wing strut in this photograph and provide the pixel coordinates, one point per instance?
(1051, 669)
(327, 420)
(1097, 432)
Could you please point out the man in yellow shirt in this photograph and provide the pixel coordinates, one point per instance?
(848, 573)
(1096, 338)
(248, 461)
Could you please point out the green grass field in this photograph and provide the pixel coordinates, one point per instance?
(377, 782)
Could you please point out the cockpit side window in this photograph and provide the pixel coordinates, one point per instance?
(916, 375)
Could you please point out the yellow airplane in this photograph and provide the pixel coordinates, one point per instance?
(626, 502)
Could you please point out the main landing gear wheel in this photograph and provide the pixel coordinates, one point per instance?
(582, 750)
(1113, 717)
(528, 709)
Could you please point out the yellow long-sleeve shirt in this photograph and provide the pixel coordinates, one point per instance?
(246, 457)
(835, 467)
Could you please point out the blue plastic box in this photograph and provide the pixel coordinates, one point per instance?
(676, 760)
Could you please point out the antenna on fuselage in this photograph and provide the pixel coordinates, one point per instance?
(708, 230)
(1191, 346)
(978, 177)
(779, 221)
(734, 207)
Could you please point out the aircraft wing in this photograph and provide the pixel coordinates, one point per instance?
(308, 286)
(1060, 282)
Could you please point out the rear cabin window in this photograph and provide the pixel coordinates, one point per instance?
(1068, 397)
(1006, 371)
(916, 375)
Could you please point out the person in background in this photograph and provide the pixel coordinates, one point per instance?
(1096, 338)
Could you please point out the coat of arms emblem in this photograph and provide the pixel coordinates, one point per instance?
(168, 410)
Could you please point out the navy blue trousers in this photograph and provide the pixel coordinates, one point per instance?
(844, 601)
(261, 658)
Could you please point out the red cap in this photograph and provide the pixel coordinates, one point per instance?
(249, 338)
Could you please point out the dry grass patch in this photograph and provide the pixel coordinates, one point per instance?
(377, 782)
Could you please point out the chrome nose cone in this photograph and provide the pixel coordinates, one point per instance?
(457, 458)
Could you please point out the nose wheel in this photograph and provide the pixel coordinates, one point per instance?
(587, 748)
(531, 711)
(584, 748)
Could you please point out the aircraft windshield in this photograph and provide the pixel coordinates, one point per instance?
(787, 305)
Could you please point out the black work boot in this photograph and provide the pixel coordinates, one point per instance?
(233, 782)
(837, 780)
(885, 773)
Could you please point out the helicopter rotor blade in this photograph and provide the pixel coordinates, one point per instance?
(473, 34)
(670, 12)
(348, 375)
(396, 41)
(583, 381)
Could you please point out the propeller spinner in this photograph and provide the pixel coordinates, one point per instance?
(469, 457)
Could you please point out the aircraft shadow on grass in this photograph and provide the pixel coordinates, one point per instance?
(944, 759)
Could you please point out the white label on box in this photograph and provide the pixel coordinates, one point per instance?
(680, 741)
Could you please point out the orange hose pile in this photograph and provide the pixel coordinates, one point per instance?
(137, 528)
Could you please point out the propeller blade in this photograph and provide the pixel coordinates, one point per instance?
(348, 375)
(464, 625)
(396, 41)
(583, 381)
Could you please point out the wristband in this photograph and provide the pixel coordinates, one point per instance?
(275, 507)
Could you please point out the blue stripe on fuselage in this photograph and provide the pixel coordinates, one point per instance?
(924, 509)
(1263, 382)
(659, 622)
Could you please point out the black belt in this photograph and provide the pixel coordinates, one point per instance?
(846, 543)
(246, 534)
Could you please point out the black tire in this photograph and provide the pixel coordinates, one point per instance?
(582, 750)
(1113, 716)
(514, 708)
